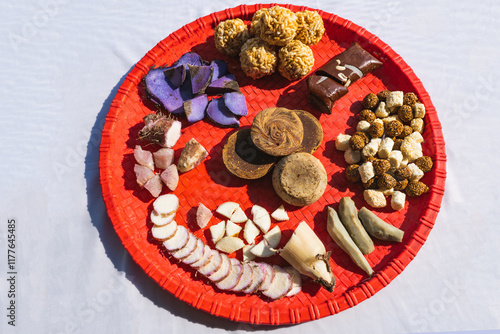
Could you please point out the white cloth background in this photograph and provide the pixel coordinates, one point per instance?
(61, 63)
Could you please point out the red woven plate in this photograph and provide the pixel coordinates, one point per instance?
(129, 206)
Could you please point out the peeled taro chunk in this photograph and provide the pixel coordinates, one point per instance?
(161, 91)
(164, 157)
(160, 129)
(236, 103)
(223, 85)
(144, 158)
(201, 76)
(220, 115)
(143, 174)
(154, 185)
(195, 108)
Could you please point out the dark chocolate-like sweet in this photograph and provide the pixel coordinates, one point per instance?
(350, 65)
(323, 92)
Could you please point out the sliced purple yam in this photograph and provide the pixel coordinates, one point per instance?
(195, 108)
(201, 77)
(220, 115)
(189, 58)
(220, 69)
(224, 84)
(236, 103)
(175, 75)
(161, 92)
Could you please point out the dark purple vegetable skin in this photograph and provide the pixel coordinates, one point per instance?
(201, 77)
(175, 75)
(195, 108)
(190, 58)
(223, 85)
(236, 103)
(220, 115)
(220, 69)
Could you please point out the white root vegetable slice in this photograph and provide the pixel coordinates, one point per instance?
(207, 253)
(250, 232)
(160, 220)
(196, 254)
(173, 134)
(232, 230)
(166, 204)
(258, 275)
(296, 281)
(247, 254)
(234, 275)
(280, 214)
(269, 276)
(203, 215)
(212, 265)
(238, 216)
(281, 284)
(223, 270)
(226, 209)
(164, 232)
(273, 237)
(245, 278)
(261, 218)
(217, 231)
(229, 244)
(262, 249)
(178, 240)
(187, 249)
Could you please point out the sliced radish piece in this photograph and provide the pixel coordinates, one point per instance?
(269, 275)
(207, 253)
(217, 231)
(232, 230)
(245, 278)
(170, 176)
(234, 275)
(258, 275)
(247, 254)
(226, 209)
(178, 240)
(273, 237)
(212, 265)
(166, 204)
(144, 158)
(187, 249)
(223, 270)
(161, 220)
(262, 249)
(238, 216)
(250, 232)
(281, 284)
(296, 281)
(203, 215)
(280, 214)
(196, 254)
(164, 232)
(154, 185)
(229, 244)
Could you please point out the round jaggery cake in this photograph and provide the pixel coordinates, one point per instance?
(277, 131)
(299, 179)
(243, 159)
(313, 132)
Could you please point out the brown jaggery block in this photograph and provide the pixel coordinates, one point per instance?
(376, 130)
(357, 142)
(407, 130)
(397, 143)
(400, 185)
(402, 172)
(386, 181)
(382, 95)
(381, 166)
(313, 132)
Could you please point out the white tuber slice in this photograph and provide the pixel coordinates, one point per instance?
(296, 281)
(143, 174)
(250, 232)
(166, 204)
(258, 275)
(173, 134)
(212, 265)
(179, 239)
(262, 249)
(269, 276)
(196, 254)
(187, 249)
(280, 214)
(160, 220)
(154, 185)
(207, 253)
(164, 232)
(261, 218)
(226, 209)
(144, 158)
(223, 270)
(232, 230)
(203, 215)
(229, 244)
(280, 285)
(232, 279)
(247, 253)
(170, 176)
(217, 231)
(238, 216)
(245, 278)
(273, 237)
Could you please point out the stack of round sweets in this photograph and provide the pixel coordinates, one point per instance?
(277, 39)
(385, 153)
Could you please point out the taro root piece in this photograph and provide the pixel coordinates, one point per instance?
(352, 173)
(310, 27)
(163, 158)
(258, 58)
(424, 163)
(324, 92)
(278, 26)
(154, 185)
(416, 188)
(299, 179)
(201, 77)
(176, 75)
(277, 131)
(367, 115)
(382, 95)
(313, 132)
(243, 159)
(349, 217)
(405, 113)
(224, 84)
(160, 129)
(295, 60)
(350, 66)
(220, 114)
(195, 108)
(410, 98)
(219, 69)
(170, 176)
(161, 92)
(191, 156)
(230, 35)
(144, 158)
(370, 101)
(256, 25)
(143, 174)
(236, 103)
(378, 228)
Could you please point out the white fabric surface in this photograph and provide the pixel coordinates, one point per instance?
(61, 63)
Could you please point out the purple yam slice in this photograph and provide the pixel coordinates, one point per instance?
(201, 76)
(236, 103)
(224, 84)
(220, 69)
(175, 75)
(161, 92)
(189, 58)
(220, 115)
(195, 108)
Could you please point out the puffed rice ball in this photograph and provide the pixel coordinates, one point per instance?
(278, 26)
(295, 60)
(256, 25)
(257, 58)
(230, 35)
(310, 27)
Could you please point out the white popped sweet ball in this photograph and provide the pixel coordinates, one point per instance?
(411, 149)
(371, 148)
(398, 200)
(351, 156)
(416, 173)
(382, 110)
(375, 198)
(417, 136)
(385, 148)
(366, 171)
(417, 124)
(394, 99)
(362, 126)
(342, 142)
(395, 159)
(418, 110)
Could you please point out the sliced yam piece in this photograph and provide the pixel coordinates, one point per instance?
(229, 244)
(296, 281)
(196, 254)
(218, 113)
(219, 69)
(189, 58)
(212, 265)
(207, 253)
(160, 90)
(280, 214)
(236, 103)
(217, 231)
(144, 158)
(159, 220)
(224, 84)
(223, 270)
(232, 229)
(187, 249)
(247, 254)
(166, 204)
(226, 209)
(173, 134)
(261, 218)
(195, 108)
(234, 275)
(178, 240)
(201, 77)
(245, 278)
(143, 174)
(268, 277)
(154, 186)
(258, 275)
(280, 285)
(170, 176)
(262, 249)
(250, 232)
(164, 232)
(238, 216)
(273, 237)
(203, 215)
(175, 75)
(163, 158)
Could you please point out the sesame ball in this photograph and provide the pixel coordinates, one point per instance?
(370, 101)
(410, 98)
(382, 95)
(295, 60)
(386, 181)
(278, 26)
(352, 173)
(416, 188)
(405, 113)
(357, 142)
(407, 130)
(367, 115)
(393, 128)
(230, 35)
(381, 166)
(424, 163)
(376, 130)
(402, 172)
(400, 184)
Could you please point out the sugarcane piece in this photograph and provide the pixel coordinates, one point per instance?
(306, 253)
(378, 228)
(339, 234)
(349, 218)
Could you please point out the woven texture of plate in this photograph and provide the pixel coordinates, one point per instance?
(129, 206)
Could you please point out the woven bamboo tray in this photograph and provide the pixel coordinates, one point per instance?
(129, 206)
